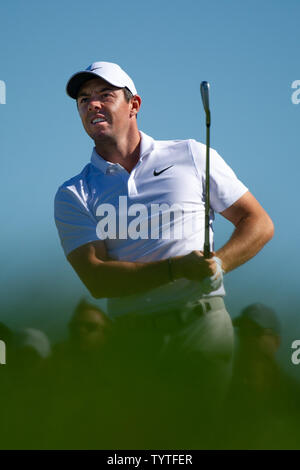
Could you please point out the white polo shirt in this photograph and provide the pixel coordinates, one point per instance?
(155, 212)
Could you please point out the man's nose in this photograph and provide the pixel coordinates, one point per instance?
(94, 103)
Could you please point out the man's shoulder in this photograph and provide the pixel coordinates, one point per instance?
(177, 143)
(76, 180)
(181, 147)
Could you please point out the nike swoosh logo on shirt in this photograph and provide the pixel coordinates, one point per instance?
(156, 173)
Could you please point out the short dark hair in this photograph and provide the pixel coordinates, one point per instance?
(128, 95)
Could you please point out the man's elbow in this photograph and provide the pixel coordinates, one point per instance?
(267, 229)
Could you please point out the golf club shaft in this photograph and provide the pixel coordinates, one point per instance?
(207, 190)
(204, 89)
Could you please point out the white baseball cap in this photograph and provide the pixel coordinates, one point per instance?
(111, 73)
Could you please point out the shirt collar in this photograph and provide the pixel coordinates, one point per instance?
(147, 145)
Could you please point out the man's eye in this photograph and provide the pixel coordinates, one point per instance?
(106, 95)
(82, 100)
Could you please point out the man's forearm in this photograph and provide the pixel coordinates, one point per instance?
(112, 278)
(121, 278)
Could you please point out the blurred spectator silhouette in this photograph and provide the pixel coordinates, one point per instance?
(24, 394)
(89, 328)
(32, 347)
(79, 383)
(73, 398)
(263, 406)
(85, 349)
(89, 333)
(258, 335)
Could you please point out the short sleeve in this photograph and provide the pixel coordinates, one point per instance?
(75, 224)
(225, 187)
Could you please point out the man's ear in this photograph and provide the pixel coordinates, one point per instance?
(135, 103)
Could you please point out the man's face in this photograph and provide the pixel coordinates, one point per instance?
(256, 341)
(104, 111)
(89, 330)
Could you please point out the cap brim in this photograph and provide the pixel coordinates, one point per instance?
(77, 80)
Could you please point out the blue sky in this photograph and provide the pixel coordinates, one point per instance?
(248, 51)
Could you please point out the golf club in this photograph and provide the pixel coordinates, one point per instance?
(204, 89)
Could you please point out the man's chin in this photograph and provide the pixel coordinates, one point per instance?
(102, 138)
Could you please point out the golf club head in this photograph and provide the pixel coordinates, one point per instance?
(204, 89)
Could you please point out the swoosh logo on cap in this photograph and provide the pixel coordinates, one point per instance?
(156, 173)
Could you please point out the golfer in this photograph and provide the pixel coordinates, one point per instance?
(132, 222)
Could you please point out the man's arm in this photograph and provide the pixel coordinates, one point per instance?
(105, 277)
(253, 229)
(109, 278)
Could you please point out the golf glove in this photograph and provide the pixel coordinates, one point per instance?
(209, 284)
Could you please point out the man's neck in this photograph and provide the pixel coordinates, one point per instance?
(125, 151)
